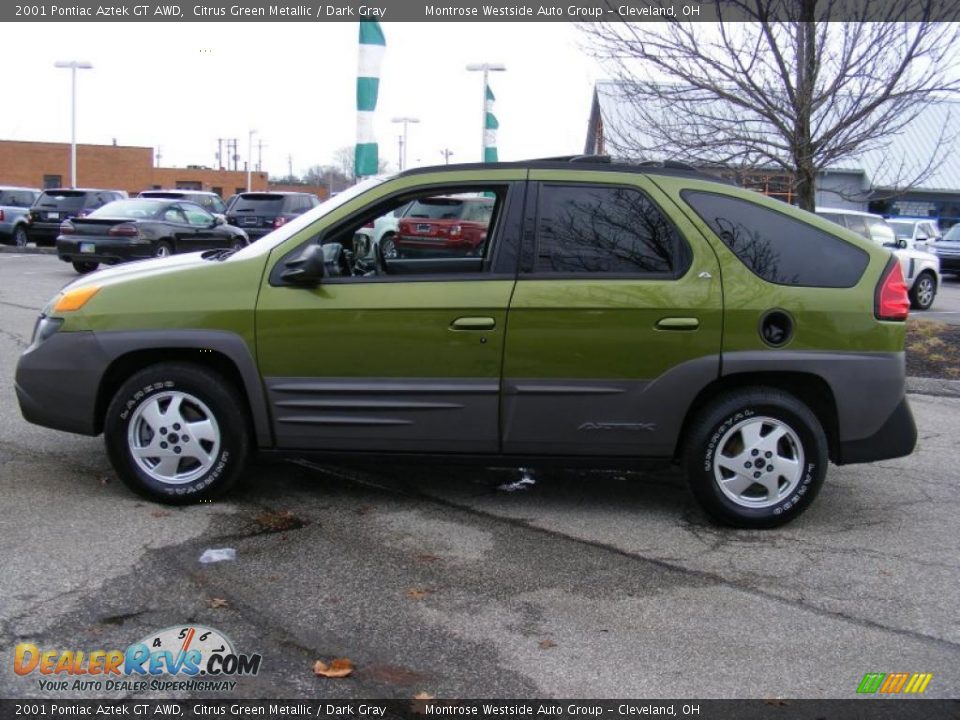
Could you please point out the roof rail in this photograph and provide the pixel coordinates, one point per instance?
(574, 159)
(668, 165)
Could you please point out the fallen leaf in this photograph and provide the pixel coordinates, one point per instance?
(418, 593)
(160, 513)
(218, 603)
(338, 668)
(278, 521)
(273, 578)
(104, 480)
(547, 643)
(776, 702)
(426, 558)
(363, 510)
(423, 696)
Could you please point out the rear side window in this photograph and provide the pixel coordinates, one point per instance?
(777, 247)
(605, 229)
(259, 204)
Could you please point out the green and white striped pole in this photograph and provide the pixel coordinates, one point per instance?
(372, 48)
(490, 125)
(488, 142)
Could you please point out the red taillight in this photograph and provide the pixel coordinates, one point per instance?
(1, 214)
(891, 301)
(67, 228)
(368, 225)
(279, 221)
(123, 231)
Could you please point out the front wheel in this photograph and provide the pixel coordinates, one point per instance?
(177, 433)
(388, 245)
(84, 267)
(755, 458)
(923, 292)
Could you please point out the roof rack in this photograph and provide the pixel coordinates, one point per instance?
(574, 159)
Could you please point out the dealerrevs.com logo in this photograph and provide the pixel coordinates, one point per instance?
(188, 658)
(895, 683)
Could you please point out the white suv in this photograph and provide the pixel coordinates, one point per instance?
(918, 232)
(921, 270)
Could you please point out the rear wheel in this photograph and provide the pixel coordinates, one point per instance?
(388, 245)
(163, 249)
(923, 292)
(20, 238)
(238, 244)
(177, 433)
(84, 267)
(755, 458)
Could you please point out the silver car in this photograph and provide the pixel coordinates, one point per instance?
(15, 205)
(921, 270)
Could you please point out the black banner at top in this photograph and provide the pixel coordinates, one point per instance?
(475, 10)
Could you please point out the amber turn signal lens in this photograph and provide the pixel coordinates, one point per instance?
(75, 299)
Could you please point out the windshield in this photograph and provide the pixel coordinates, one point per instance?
(268, 242)
(953, 234)
(66, 199)
(902, 229)
(128, 209)
(880, 230)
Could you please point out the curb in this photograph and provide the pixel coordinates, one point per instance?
(933, 386)
(29, 250)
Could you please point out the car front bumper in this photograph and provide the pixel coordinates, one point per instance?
(57, 380)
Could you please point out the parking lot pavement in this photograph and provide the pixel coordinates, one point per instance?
(429, 579)
(946, 306)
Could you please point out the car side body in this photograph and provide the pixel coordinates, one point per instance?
(15, 204)
(538, 350)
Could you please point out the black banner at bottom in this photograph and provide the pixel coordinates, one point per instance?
(418, 709)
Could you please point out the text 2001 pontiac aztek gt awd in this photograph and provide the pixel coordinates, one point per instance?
(612, 313)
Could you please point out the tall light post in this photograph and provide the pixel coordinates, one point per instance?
(250, 156)
(403, 142)
(486, 69)
(74, 65)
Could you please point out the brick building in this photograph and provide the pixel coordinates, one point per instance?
(118, 167)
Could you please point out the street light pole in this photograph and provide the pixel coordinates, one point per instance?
(250, 156)
(486, 68)
(74, 65)
(403, 150)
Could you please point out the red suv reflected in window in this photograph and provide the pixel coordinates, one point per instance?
(444, 227)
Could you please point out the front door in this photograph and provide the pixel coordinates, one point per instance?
(403, 357)
(615, 321)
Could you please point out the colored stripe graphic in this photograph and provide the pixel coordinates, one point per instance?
(894, 683)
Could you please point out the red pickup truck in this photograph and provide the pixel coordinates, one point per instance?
(445, 227)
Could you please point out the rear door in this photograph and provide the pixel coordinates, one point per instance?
(615, 322)
(407, 360)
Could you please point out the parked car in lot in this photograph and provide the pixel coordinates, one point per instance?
(443, 226)
(383, 229)
(259, 213)
(921, 270)
(142, 228)
(616, 315)
(15, 205)
(947, 250)
(55, 206)
(209, 201)
(917, 232)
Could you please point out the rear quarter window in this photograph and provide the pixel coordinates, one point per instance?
(776, 247)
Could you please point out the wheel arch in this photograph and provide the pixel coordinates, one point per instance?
(808, 388)
(224, 353)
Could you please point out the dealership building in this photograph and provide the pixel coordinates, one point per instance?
(121, 167)
(857, 184)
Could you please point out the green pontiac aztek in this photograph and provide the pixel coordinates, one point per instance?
(611, 315)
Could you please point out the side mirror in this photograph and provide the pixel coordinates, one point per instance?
(308, 269)
(901, 244)
(219, 219)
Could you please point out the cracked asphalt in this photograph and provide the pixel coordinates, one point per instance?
(588, 584)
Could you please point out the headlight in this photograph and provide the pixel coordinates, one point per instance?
(45, 327)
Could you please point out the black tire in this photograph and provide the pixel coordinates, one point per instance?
(20, 238)
(924, 291)
(84, 267)
(716, 425)
(237, 244)
(163, 249)
(217, 396)
(388, 247)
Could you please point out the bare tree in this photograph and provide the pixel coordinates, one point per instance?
(786, 86)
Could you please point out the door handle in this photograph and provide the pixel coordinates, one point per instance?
(473, 323)
(678, 323)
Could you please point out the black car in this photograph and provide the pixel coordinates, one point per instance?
(55, 206)
(262, 212)
(142, 228)
(209, 201)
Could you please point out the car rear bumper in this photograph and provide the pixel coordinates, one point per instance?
(56, 382)
(106, 250)
(897, 437)
(43, 232)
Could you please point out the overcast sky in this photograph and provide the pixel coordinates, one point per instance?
(182, 86)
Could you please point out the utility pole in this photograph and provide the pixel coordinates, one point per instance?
(403, 138)
(260, 146)
(159, 154)
(290, 166)
(73, 66)
(446, 152)
(220, 154)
